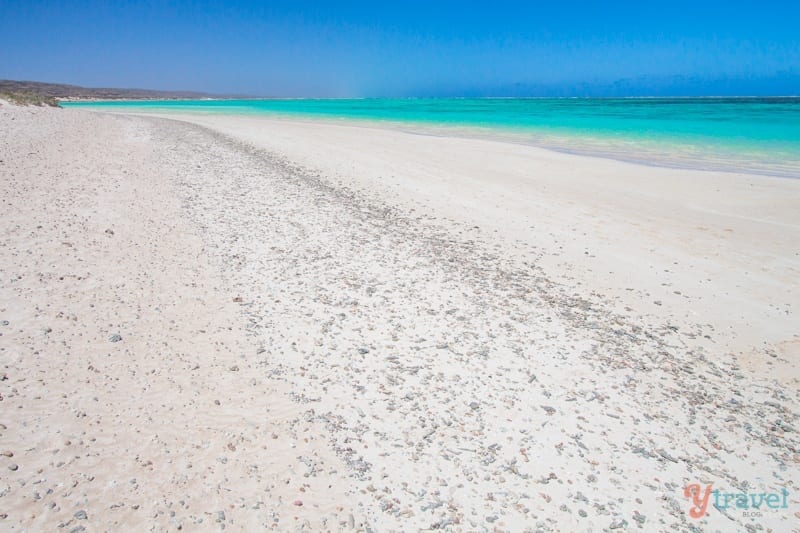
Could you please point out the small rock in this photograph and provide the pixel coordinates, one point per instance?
(298, 503)
(663, 453)
(13, 467)
(115, 337)
(4, 322)
(474, 405)
(220, 516)
(363, 351)
(618, 524)
(80, 515)
(234, 368)
(7, 453)
(109, 232)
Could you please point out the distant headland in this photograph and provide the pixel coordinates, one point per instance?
(41, 93)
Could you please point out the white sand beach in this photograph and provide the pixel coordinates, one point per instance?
(217, 321)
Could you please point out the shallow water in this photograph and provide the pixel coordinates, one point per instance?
(760, 135)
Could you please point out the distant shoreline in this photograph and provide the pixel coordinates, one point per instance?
(65, 92)
(76, 93)
(336, 98)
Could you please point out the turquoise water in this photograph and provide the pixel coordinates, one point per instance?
(735, 134)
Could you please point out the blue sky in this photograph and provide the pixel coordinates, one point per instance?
(410, 48)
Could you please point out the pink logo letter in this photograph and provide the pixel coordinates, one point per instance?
(699, 500)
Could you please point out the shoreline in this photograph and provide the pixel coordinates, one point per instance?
(328, 327)
(655, 155)
(683, 151)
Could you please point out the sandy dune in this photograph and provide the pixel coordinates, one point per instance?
(252, 323)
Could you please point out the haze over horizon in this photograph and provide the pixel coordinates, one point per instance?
(305, 49)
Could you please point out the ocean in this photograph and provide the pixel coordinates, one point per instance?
(756, 135)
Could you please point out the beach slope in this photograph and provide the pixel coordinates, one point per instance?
(302, 325)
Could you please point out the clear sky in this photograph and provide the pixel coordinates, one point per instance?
(408, 48)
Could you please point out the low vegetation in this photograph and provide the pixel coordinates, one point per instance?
(74, 92)
(29, 98)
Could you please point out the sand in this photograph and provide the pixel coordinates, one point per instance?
(251, 323)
